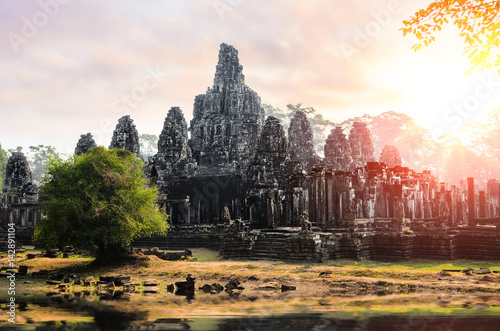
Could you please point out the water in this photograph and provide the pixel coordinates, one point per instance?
(118, 310)
(109, 320)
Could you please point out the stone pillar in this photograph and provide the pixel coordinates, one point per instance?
(320, 198)
(497, 212)
(330, 198)
(170, 211)
(420, 205)
(448, 200)
(482, 204)
(188, 211)
(198, 212)
(470, 200)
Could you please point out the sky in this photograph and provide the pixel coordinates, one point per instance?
(71, 67)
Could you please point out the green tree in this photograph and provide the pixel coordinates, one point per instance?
(3, 165)
(98, 200)
(38, 158)
(477, 20)
(149, 145)
(18, 149)
(282, 115)
(321, 127)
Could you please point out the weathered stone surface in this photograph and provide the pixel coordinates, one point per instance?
(338, 150)
(19, 198)
(85, 143)
(300, 141)
(172, 144)
(174, 155)
(361, 143)
(126, 136)
(390, 156)
(18, 174)
(359, 214)
(272, 152)
(227, 119)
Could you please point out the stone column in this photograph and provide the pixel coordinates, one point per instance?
(482, 204)
(320, 199)
(188, 212)
(170, 213)
(497, 211)
(330, 198)
(470, 200)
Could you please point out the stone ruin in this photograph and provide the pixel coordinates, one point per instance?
(125, 136)
(360, 140)
(174, 157)
(300, 141)
(19, 201)
(237, 168)
(338, 150)
(85, 143)
(357, 208)
(271, 154)
(227, 119)
(390, 156)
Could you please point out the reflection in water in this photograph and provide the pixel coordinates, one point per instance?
(188, 293)
(118, 310)
(109, 318)
(387, 323)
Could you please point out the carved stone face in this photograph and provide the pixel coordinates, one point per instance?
(18, 172)
(126, 136)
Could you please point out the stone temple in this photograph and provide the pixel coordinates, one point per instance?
(227, 119)
(235, 181)
(19, 195)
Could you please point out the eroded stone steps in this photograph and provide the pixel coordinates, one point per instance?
(270, 245)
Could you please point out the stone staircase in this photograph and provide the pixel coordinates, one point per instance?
(270, 245)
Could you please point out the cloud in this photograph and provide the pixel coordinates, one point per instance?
(64, 81)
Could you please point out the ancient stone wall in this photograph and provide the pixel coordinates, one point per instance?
(300, 141)
(390, 156)
(19, 203)
(338, 150)
(85, 143)
(271, 154)
(18, 174)
(174, 157)
(125, 136)
(227, 119)
(360, 140)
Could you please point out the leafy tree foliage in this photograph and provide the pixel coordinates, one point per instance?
(38, 158)
(413, 142)
(3, 165)
(448, 158)
(461, 163)
(149, 145)
(390, 156)
(98, 199)
(484, 143)
(321, 127)
(18, 149)
(477, 20)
